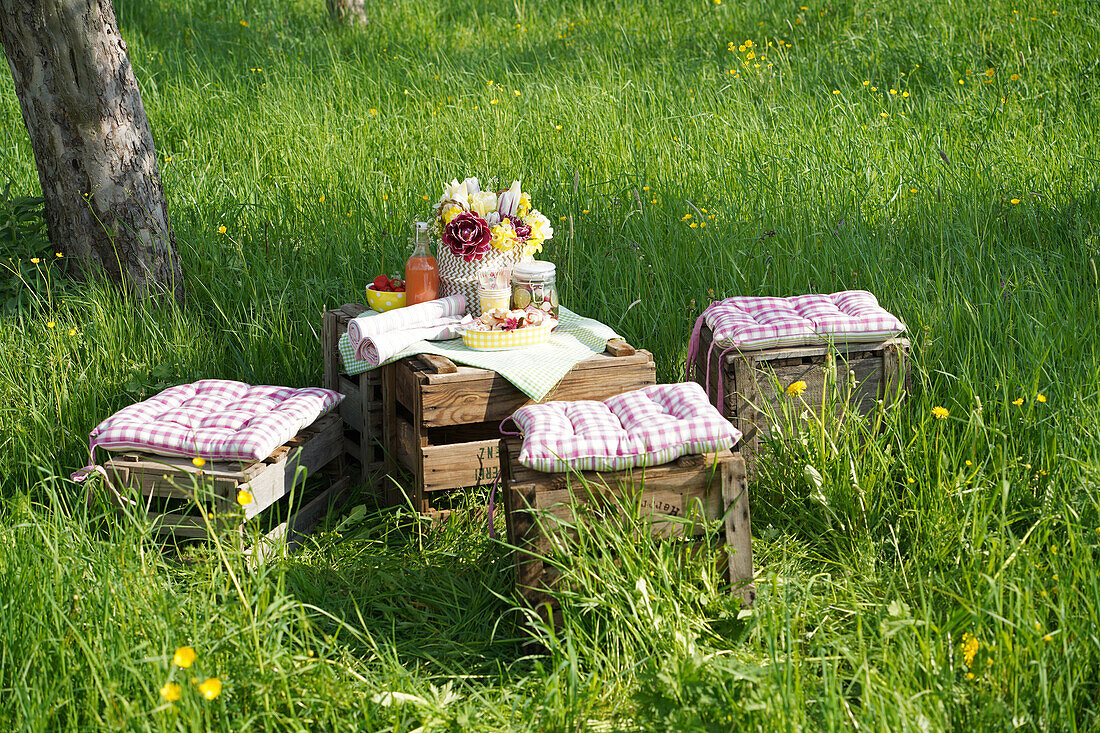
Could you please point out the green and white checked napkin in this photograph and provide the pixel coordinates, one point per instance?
(534, 370)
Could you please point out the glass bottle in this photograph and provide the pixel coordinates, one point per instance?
(421, 271)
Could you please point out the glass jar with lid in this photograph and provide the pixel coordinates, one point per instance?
(533, 283)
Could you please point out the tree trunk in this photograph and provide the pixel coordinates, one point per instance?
(105, 204)
(347, 11)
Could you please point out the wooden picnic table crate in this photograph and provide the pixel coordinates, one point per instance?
(361, 409)
(753, 382)
(172, 491)
(441, 421)
(701, 487)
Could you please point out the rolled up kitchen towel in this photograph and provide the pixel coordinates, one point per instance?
(378, 349)
(401, 319)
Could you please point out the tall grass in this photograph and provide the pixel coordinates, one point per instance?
(969, 208)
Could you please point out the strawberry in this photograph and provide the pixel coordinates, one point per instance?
(396, 282)
(399, 289)
(381, 283)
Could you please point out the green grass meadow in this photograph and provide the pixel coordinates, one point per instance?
(941, 574)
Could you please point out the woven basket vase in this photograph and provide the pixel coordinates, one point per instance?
(456, 275)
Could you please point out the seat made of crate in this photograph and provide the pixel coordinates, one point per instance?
(752, 383)
(361, 409)
(167, 485)
(702, 487)
(441, 420)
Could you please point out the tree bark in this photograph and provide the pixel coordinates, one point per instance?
(105, 205)
(347, 11)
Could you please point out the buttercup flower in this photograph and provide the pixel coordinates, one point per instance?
(468, 235)
(940, 413)
(244, 498)
(184, 657)
(211, 688)
(221, 229)
(171, 691)
(198, 461)
(34, 260)
(796, 388)
(1040, 397)
(1018, 401)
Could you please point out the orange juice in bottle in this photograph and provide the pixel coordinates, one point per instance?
(421, 271)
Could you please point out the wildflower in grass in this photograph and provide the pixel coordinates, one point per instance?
(905, 94)
(221, 229)
(244, 24)
(58, 255)
(645, 188)
(211, 688)
(685, 217)
(557, 127)
(244, 498)
(912, 190)
(912, 481)
(1048, 637)
(970, 648)
(198, 461)
(866, 83)
(794, 389)
(962, 81)
(563, 217)
(385, 196)
(1040, 397)
(732, 45)
(693, 225)
(372, 112)
(940, 413)
(874, 89)
(321, 200)
(1014, 201)
(72, 331)
(34, 260)
(584, 211)
(893, 91)
(970, 675)
(836, 91)
(494, 101)
(990, 73)
(1018, 401)
(185, 656)
(1015, 77)
(171, 691)
(750, 55)
(884, 115)
(653, 201)
(969, 462)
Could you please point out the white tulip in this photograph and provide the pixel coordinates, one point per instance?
(509, 200)
(472, 185)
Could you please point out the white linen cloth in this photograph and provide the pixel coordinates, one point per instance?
(378, 348)
(400, 319)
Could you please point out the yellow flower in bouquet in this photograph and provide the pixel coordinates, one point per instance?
(504, 235)
(540, 232)
(483, 202)
(524, 204)
(450, 212)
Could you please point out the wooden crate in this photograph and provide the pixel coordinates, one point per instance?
(441, 421)
(361, 409)
(163, 488)
(754, 381)
(705, 487)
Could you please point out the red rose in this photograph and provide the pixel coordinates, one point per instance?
(468, 236)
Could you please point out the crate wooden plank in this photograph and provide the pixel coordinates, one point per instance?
(287, 536)
(478, 395)
(292, 467)
(538, 505)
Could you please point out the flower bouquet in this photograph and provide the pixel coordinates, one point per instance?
(479, 229)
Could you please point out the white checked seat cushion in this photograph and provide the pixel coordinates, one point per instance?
(850, 316)
(214, 419)
(646, 427)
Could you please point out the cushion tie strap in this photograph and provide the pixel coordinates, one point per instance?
(492, 506)
(693, 347)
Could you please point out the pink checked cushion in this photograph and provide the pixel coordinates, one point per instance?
(646, 427)
(851, 316)
(214, 419)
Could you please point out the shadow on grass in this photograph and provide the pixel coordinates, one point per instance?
(414, 594)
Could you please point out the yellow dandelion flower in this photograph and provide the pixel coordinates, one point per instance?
(1040, 397)
(168, 159)
(221, 229)
(1014, 201)
(584, 211)
(912, 481)
(199, 461)
(740, 49)
(35, 260)
(794, 389)
(516, 92)
(1018, 401)
(184, 657)
(171, 691)
(211, 688)
(940, 413)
